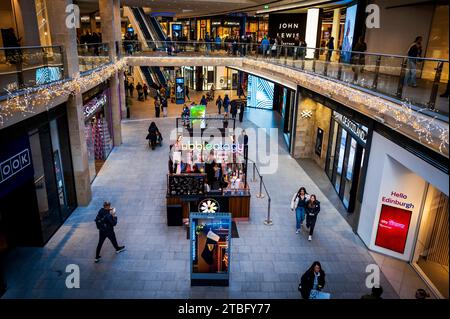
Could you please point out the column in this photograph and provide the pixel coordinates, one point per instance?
(110, 27)
(62, 35)
(27, 24)
(336, 27)
(93, 22)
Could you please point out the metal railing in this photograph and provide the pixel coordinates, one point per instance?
(23, 68)
(416, 81)
(260, 195)
(93, 55)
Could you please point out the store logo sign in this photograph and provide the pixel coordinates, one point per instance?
(94, 105)
(352, 126)
(235, 148)
(306, 114)
(14, 165)
(209, 206)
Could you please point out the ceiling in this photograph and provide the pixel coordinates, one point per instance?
(196, 8)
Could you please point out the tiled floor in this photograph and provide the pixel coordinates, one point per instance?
(267, 261)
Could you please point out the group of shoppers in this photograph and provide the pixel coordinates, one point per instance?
(306, 207)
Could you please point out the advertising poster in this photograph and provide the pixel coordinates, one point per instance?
(393, 228)
(319, 140)
(198, 113)
(176, 31)
(260, 93)
(179, 90)
(349, 30)
(210, 248)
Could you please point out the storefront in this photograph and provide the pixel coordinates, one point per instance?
(203, 27)
(98, 127)
(338, 140)
(37, 190)
(207, 174)
(405, 211)
(257, 28)
(203, 78)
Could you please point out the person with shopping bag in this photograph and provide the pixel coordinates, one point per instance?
(312, 282)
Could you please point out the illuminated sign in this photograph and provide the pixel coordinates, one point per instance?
(94, 105)
(14, 165)
(393, 228)
(232, 23)
(352, 126)
(235, 148)
(208, 205)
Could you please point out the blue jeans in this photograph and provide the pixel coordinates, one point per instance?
(299, 216)
(411, 72)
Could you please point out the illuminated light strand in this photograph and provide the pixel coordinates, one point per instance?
(404, 115)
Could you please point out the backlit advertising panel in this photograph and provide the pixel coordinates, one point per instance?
(393, 228)
(210, 235)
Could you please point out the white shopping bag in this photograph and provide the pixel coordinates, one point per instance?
(316, 294)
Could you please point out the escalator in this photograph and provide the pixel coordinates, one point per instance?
(146, 26)
(157, 27)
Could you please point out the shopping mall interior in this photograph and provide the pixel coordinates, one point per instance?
(183, 132)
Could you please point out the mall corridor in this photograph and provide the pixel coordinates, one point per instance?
(266, 261)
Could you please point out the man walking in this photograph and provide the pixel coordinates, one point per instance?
(106, 220)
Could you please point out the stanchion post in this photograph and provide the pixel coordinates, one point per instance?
(268, 221)
(260, 194)
(254, 175)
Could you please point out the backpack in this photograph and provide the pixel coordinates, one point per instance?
(101, 222)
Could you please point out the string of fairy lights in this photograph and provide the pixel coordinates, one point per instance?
(427, 129)
(27, 100)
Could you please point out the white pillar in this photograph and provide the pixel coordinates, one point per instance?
(312, 31)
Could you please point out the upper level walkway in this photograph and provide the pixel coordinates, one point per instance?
(373, 84)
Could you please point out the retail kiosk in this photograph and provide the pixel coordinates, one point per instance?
(207, 171)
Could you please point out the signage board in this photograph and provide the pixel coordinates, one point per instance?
(393, 228)
(359, 131)
(287, 26)
(210, 243)
(179, 90)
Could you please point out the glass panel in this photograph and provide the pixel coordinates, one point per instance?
(39, 175)
(431, 252)
(58, 166)
(340, 162)
(349, 174)
(332, 151)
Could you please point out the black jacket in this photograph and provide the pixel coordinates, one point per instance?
(307, 282)
(110, 221)
(312, 212)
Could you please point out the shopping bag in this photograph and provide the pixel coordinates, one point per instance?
(316, 294)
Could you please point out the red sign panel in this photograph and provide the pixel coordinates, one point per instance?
(393, 228)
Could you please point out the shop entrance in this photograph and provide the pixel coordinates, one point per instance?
(344, 162)
(431, 258)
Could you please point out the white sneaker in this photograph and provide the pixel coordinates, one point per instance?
(297, 231)
(309, 237)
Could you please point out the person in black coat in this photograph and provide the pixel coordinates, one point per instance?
(234, 109)
(153, 134)
(106, 220)
(312, 279)
(241, 111)
(312, 210)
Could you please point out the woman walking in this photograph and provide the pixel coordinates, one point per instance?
(157, 107)
(312, 281)
(312, 210)
(298, 202)
(219, 103)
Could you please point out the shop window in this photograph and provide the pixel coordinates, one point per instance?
(431, 256)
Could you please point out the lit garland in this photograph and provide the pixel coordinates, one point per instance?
(429, 130)
(26, 100)
(426, 128)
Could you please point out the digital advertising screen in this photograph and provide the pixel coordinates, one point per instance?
(48, 75)
(179, 90)
(210, 235)
(393, 228)
(260, 93)
(176, 30)
(349, 29)
(198, 113)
